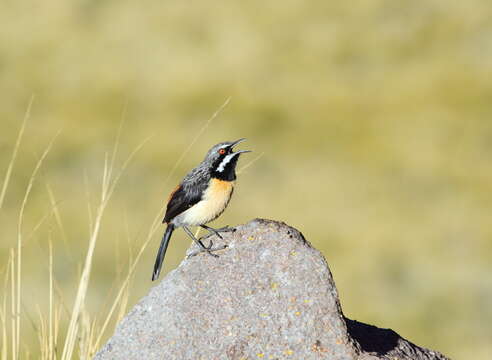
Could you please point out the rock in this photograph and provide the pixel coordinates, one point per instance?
(269, 295)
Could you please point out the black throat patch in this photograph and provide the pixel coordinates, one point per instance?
(225, 167)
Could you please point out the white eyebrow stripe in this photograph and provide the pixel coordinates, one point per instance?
(224, 162)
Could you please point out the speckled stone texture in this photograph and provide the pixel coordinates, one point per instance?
(269, 295)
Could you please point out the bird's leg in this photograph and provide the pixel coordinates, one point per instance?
(203, 248)
(212, 231)
(197, 241)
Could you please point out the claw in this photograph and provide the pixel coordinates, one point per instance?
(207, 250)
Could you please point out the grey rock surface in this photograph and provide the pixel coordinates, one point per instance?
(269, 295)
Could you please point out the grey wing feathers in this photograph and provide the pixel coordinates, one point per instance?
(187, 194)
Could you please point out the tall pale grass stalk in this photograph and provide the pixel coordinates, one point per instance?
(12, 305)
(42, 334)
(3, 311)
(18, 261)
(152, 230)
(14, 154)
(48, 329)
(108, 186)
(51, 341)
(195, 139)
(56, 212)
(88, 198)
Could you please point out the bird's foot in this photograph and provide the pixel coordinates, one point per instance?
(212, 231)
(207, 249)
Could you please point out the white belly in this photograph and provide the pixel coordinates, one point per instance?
(213, 204)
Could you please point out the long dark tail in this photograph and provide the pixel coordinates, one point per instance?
(162, 251)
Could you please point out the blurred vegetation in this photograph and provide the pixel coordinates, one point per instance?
(374, 117)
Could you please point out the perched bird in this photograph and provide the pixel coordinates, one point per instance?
(201, 197)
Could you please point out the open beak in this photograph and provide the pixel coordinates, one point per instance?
(237, 142)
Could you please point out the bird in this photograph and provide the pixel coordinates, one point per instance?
(201, 197)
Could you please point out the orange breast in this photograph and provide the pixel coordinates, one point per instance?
(214, 201)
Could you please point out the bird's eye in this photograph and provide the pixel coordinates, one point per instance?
(222, 151)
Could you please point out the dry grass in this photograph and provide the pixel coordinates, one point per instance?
(85, 332)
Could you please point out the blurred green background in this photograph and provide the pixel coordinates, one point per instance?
(374, 119)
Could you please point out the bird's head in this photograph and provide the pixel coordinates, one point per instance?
(222, 159)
